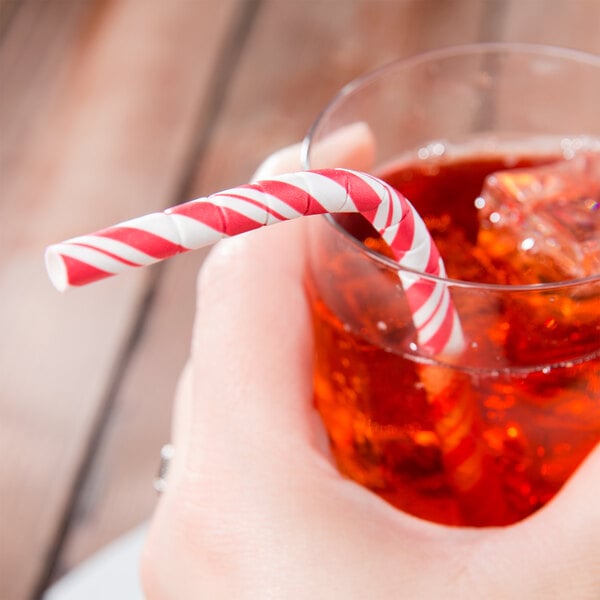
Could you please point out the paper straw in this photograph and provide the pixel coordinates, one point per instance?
(154, 237)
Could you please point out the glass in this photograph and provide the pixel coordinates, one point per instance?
(487, 435)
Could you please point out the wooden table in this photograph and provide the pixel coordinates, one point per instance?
(113, 108)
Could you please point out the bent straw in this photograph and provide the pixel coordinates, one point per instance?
(154, 237)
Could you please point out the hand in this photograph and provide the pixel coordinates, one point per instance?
(254, 507)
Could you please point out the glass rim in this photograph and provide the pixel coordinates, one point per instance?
(577, 56)
(390, 263)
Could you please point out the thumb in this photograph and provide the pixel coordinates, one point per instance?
(351, 147)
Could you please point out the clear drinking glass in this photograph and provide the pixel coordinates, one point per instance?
(488, 434)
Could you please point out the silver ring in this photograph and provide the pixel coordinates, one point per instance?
(160, 481)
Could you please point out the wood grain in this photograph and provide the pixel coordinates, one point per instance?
(300, 54)
(117, 493)
(112, 108)
(562, 101)
(105, 100)
(569, 23)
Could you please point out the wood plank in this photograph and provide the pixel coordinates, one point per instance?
(100, 107)
(284, 81)
(569, 23)
(118, 492)
(280, 84)
(8, 9)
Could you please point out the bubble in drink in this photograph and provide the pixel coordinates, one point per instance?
(543, 222)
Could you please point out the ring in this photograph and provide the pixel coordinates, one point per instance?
(160, 481)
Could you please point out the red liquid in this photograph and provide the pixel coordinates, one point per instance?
(483, 442)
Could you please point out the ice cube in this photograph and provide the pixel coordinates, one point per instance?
(543, 223)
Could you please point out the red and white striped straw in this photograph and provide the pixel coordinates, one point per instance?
(154, 237)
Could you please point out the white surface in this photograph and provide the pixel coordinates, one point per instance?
(111, 574)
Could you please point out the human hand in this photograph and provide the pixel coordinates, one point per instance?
(254, 507)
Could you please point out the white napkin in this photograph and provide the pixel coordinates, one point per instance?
(110, 574)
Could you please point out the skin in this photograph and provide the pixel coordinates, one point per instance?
(254, 507)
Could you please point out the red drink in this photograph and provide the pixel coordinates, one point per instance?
(485, 438)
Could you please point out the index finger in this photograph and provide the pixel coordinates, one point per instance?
(252, 351)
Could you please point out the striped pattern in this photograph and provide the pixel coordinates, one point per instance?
(148, 239)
